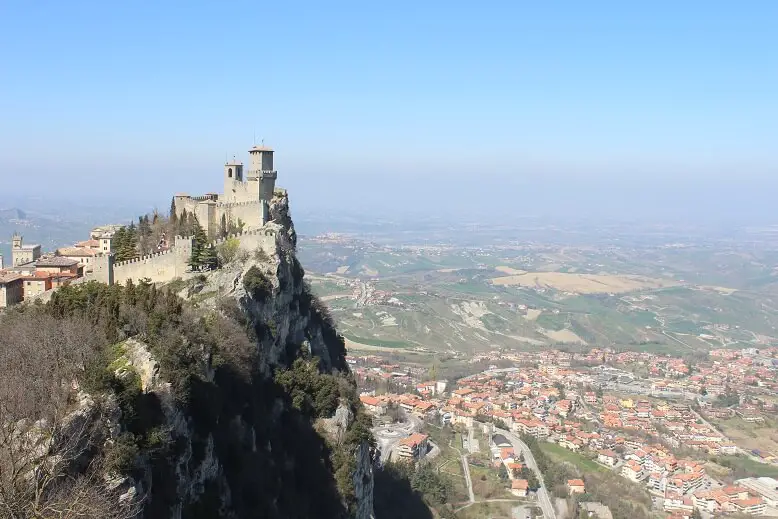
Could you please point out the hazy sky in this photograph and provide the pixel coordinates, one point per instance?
(514, 105)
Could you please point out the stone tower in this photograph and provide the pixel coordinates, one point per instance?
(261, 170)
(16, 241)
(233, 176)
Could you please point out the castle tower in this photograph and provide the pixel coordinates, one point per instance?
(261, 169)
(16, 241)
(233, 174)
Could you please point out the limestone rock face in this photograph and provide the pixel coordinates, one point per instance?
(284, 321)
(363, 483)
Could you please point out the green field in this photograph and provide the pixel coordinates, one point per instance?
(448, 302)
(747, 466)
(560, 454)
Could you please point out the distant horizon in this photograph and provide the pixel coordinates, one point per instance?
(667, 110)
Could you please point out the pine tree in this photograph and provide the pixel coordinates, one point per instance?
(126, 240)
(208, 258)
(199, 243)
(173, 215)
(181, 227)
(223, 228)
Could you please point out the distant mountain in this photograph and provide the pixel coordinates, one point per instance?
(49, 231)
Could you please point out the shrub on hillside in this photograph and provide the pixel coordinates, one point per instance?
(228, 250)
(257, 284)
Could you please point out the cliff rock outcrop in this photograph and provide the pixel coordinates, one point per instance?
(231, 398)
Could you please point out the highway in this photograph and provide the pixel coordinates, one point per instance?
(544, 500)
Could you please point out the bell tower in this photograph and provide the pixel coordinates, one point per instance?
(233, 174)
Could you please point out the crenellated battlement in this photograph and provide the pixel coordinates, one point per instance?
(143, 258)
(261, 231)
(228, 205)
(204, 198)
(164, 266)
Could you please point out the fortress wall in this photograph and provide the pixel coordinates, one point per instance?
(250, 241)
(249, 212)
(158, 267)
(165, 266)
(242, 191)
(185, 202)
(206, 217)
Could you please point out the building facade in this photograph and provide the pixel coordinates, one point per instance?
(21, 253)
(11, 289)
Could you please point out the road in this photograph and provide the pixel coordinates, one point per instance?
(496, 500)
(466, 469)
(388, 436)
(544, 500)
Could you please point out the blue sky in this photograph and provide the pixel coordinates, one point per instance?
(522, 105)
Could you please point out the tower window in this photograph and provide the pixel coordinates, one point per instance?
(229, 172)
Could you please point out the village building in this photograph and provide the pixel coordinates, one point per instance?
(21, 253)
(11, 289)
(413, 447)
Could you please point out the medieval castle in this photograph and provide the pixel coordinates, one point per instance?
(245, 198)
(248, 203)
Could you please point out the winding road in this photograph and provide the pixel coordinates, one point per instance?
(544, 500)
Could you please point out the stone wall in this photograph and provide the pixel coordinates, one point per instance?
(159, 268)
(163, 267)
(250, 213)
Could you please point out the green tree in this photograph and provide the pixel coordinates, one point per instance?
(126, 243)
(208, 258)
(532, 479)
(502, 472)
(199, 244)
(228, 250)
(223, 227)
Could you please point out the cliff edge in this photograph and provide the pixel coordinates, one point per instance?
(223, 395)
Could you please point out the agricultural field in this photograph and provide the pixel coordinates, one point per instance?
(438, 294)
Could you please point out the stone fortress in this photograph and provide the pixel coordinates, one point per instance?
(247, 198)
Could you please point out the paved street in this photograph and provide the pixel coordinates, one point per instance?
(544, 499)
(388, 436)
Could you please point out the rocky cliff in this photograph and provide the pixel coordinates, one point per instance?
(227, 395)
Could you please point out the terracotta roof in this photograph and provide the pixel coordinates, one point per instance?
(8, 278)
(56, 261)
(413, 440)
(369, 400)
(76, 251)
(519, 484)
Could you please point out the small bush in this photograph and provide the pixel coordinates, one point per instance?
(120, 458)
(260, 255)
(257, 284)
(228, 251)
